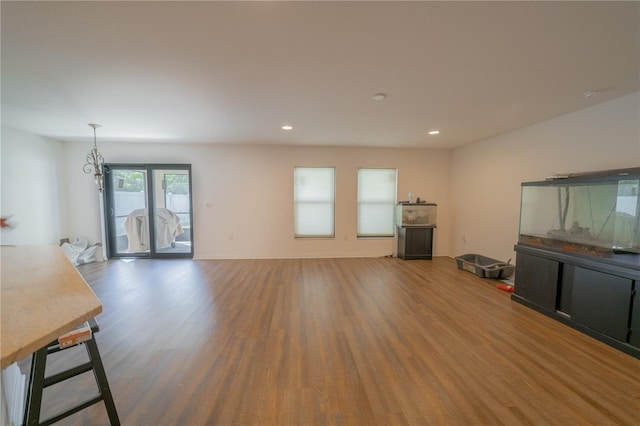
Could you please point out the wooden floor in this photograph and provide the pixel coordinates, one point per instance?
(338, 341)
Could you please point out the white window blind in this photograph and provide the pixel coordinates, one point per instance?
(314, 201)
(376, 202)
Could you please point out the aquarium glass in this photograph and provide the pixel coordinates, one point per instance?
(601, 215)
(417, 215)
(627, 216)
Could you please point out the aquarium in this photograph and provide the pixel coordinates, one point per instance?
(595, 214)
(422, 214)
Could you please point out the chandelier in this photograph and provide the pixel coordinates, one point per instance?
(95, 161)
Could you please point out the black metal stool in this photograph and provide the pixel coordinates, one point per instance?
(37, 382)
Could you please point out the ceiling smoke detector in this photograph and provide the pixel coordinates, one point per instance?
(592, 93)
(379, 97)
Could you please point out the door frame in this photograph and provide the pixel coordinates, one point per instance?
(109, 223)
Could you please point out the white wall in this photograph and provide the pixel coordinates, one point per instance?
(486, 175)
(243, 195)
(33, 188)
(245, 192)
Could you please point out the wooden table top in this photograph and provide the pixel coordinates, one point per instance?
(42, 296)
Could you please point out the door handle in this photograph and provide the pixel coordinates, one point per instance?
(112, 211)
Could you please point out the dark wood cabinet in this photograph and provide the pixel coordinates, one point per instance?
(598, 298)
(415, 242)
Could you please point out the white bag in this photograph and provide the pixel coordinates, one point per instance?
(88, 255)
(80, 252)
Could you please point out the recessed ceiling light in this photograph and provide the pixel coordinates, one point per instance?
(287, 127)
(434, 132)
(379, 97)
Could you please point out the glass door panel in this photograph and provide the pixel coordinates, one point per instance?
(172, 208)
(130, 232)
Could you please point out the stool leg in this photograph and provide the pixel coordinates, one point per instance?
(35, 388)
(101, 379)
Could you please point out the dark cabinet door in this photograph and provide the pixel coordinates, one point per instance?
(602, 302)
(415, 243)
(537, 280)
(634, 338)
(419, 241)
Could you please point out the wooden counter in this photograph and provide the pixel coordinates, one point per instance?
(42, 296)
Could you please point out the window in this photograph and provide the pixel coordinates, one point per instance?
(314, 202)
(376, 202)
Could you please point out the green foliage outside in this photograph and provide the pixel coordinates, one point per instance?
(177, 184)
(128, 180)
(134, 181)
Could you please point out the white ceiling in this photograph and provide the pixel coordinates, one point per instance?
(234, 72)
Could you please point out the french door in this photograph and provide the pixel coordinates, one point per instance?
(148, 210)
